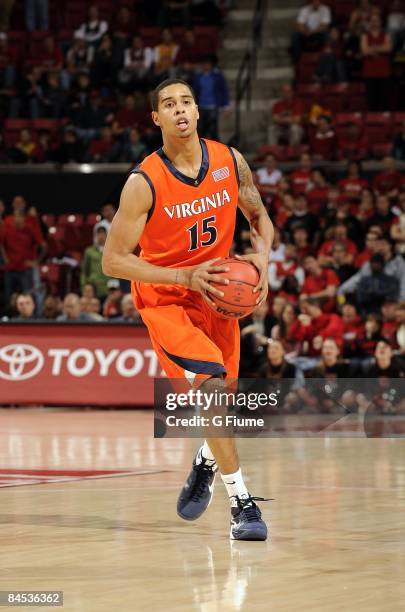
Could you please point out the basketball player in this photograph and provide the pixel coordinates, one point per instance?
(180, 204)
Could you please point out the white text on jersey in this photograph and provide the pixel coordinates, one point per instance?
(196, 207)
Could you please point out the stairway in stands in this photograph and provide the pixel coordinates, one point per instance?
(273, 66)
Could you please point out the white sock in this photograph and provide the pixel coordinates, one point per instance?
(204, 452)
(235, 485)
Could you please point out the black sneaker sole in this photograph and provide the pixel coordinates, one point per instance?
(252, 537)
(194, 518)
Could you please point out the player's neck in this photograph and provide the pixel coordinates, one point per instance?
(185, 152)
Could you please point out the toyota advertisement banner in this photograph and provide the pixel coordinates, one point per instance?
(111, 365)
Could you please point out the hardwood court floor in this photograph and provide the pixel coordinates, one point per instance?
(116, 545)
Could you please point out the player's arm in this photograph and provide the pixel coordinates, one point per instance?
(261, 227)
(125, 232)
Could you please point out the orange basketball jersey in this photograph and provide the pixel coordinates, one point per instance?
(191, 220)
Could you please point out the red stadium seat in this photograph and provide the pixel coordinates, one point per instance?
(56, 241)
(295, 151)
(70, 219)
(50, 274)
(398, 121)
(341, 11)
(16, 124)
(17, 41)
(346, 118)
(74, 237)
(204, 34)
(93, 218)
(309, 94)
(48, 219)
(356, 97)
(86, 236)
(105, 9)
(381, 150)
(151, 36)
(378, 127)
(75, 14)
(36, 41)
(334, 97)
(279, 152)
(12, 128)
(46, 124)
(306, 67)
(65, 36)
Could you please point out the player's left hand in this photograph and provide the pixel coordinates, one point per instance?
(260, 262)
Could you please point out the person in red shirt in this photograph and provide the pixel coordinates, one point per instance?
(50, 57)
(190, 53)
(353, 185)
(280, 270)
(371, 247)
(282, 209)
(371, 336)
(339, 235)
(300, 239)
(313, 326)
(365, 209)
(301, 178)
(19, 205)
(101, 150)
(18, 245)
(127, 116)
(353, 144)
(390, 322)
(123, 26)
(375, 49)
(323, 142)
(320, 283)
(318, 195)
(287, 115)
(388, 182)
(352, 329)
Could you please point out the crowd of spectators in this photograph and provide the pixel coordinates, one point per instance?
(348, 98)
(89, 85)
(299, 123)
(336, 305)
(353, 40)
(336, 273)
(336, 270)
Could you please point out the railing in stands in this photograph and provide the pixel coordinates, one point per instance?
(247, 68)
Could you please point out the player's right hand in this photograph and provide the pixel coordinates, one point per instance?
(199, 278)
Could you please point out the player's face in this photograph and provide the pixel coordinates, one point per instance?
(177, 112)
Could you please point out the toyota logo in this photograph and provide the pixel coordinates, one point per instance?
(20, 361)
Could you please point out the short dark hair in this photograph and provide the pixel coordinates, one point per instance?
(154, 96)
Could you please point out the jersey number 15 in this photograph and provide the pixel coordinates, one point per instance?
(205, 236)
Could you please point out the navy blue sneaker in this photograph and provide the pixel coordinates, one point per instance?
(246, 521)
(196, 495)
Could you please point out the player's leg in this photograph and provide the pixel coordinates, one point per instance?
(246, 522)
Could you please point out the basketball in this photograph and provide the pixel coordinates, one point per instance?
(238, 300)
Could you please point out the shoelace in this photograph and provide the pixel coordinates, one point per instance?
(249, 508)
(204, 474)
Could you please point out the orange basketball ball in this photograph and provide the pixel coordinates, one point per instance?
(238, 300)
